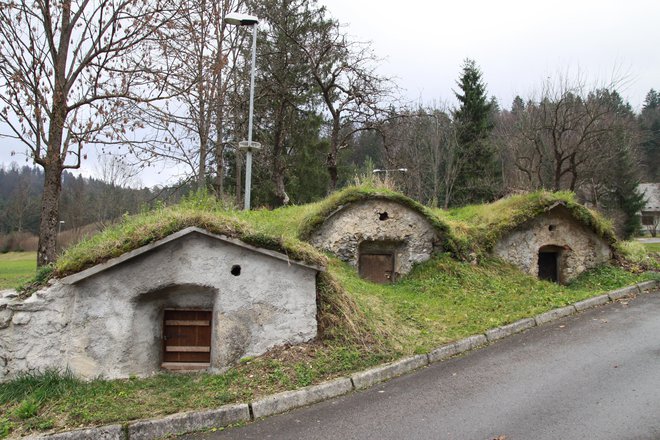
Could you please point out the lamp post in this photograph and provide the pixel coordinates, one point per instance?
(238, 19)
(387, 172)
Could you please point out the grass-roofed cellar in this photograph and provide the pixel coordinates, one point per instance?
(382, 233)
(547, 235)
(162, 292)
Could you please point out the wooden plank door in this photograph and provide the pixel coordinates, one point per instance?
(378, 268)
(187, 339)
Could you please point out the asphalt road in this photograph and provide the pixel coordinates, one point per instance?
(594, 375)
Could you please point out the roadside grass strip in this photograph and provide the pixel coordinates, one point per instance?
(442, 309)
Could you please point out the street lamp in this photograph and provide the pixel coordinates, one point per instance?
(238, 19)
(387, 172)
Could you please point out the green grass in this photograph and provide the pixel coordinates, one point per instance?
(200, 210)
(652, 247)
(477, 228)
(361, 324)
(440, 301)
(16, 268)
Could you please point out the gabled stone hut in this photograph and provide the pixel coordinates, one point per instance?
(382, 235)
(555, 245)
(192, 300)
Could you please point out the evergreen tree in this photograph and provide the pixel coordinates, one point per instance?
(622, 173)
(479, 179)
(650, 124)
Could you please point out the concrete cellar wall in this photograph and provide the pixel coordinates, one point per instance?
(109, 324)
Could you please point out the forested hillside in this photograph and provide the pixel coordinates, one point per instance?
(84, 200)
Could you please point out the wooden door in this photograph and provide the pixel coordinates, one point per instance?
(378, 268)
(187, 339)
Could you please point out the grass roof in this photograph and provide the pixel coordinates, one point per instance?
(200, 211)
(353, 194)
(479, 227)
(475, 228)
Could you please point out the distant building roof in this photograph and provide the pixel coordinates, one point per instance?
(651, 193)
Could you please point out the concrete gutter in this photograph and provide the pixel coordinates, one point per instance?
(288, 400)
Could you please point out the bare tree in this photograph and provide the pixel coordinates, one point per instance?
(557, 139)
(67, 71)
(201, 57)
(344, 73)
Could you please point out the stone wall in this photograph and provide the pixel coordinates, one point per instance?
(109, 323)
(411, 236)
(581, 248)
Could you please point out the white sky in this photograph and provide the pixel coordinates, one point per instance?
(516, 43)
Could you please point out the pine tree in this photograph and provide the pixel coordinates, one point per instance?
(479, 179)
(650, 124)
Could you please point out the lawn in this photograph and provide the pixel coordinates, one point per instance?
(16, 268)
(361, 324)
(440, 301)
(652, 247)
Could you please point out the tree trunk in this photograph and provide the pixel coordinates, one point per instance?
(219, 181)
(278, 161)
(331, 161)
(50, 204)
(239, 177)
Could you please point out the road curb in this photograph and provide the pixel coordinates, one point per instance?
(365, 379)
(510, 329)
(278, 403)
(108, 432)
(626, 292)
(648, 286)
(592, 302)
(282, 402)
(188, 421)
(555, 314)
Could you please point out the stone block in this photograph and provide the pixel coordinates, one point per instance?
(187, 422)
(442, 353)
(365, 379)
(5, 318)
(592, 302)
(555, 314)
(510, 329)
(281, 402)
(648, 286)
(471, 343)
(110, 432)
(625, 292)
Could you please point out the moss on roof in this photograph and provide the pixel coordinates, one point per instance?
(353, 194)
(139, 230)
(479, 227)
(475, 228)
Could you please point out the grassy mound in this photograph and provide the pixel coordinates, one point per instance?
(202, 211)
(353, 194)
(479, 227)
(364, 324)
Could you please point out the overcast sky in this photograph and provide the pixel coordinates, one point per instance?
(517, 44)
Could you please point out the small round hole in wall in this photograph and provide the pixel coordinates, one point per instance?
(383, 216)
(236, 270)
(552, 227)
